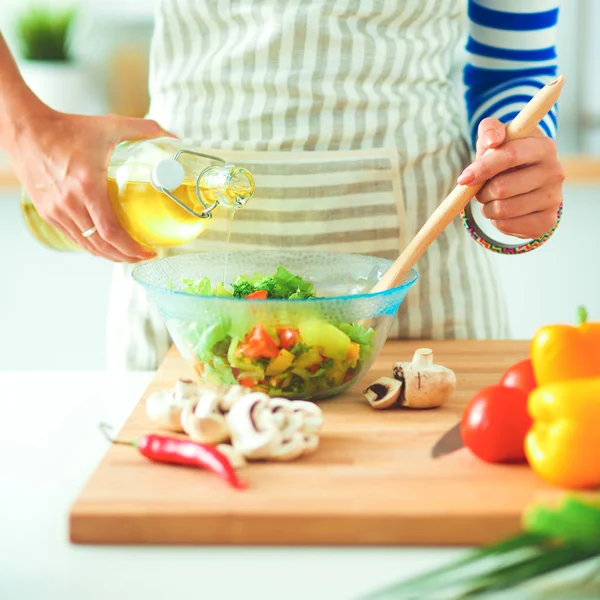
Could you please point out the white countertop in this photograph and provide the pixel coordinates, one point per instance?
(49, 446)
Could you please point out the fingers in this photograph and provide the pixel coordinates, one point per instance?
(70, 231)
(83, 221)
(515, 153)
(71, 216)
(113, 233)
(490, 134)
(532, 225)
(80, 215)
(518, 206)
(519, 181)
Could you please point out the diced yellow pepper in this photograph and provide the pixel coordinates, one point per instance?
(308, 359)
(280, 363)
(353, 354)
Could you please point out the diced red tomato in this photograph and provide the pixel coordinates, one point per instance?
(258, 344)
(288, 338)
(314, 368)
(247, 382)
(258, 295)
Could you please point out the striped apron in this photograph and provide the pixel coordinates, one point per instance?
(345, 113)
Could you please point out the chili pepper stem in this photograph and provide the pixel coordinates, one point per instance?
(582, 315)
(105, 428)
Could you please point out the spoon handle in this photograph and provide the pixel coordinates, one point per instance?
(522, 125)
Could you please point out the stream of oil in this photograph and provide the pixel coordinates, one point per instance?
(232, 212)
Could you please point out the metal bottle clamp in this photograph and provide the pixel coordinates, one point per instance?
(168, 174)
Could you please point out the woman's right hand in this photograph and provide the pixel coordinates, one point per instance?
(61, 160)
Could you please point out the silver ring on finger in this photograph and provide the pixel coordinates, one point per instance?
(89, 232)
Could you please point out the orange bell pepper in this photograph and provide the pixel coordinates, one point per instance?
(563, 445)
(563, 352)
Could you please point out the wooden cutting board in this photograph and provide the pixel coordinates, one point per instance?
(372, 481)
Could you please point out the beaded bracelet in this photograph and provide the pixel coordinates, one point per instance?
(487, 242)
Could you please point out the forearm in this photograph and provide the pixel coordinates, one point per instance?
(510, 56)
(18, 104)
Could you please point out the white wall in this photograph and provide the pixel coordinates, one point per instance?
(549, 283)
(52, 305)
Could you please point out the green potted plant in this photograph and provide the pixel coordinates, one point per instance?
(48, 62)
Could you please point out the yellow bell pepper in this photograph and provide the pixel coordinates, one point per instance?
(563, 445)
(563, 352)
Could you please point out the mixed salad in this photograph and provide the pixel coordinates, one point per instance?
(310, 357)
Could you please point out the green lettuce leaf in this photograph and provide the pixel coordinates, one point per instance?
(362, 336)
(201, 287)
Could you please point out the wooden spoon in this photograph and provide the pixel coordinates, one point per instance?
(523, 124)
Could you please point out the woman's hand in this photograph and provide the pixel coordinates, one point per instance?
(61, 160)
(524, 181)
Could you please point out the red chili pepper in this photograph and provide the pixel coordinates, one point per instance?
(184, 452)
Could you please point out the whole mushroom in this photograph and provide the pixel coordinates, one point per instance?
(424, 384)
(417, 384)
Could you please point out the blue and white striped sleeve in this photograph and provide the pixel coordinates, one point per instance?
(510, 55)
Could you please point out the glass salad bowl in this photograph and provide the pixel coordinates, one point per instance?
(297, 325)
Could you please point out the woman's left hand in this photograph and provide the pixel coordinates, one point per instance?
(524, 180)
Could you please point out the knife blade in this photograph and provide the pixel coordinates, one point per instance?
(449, 442)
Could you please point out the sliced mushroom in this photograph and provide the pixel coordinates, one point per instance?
(313, 415)
(164, 407)
(424, 384)
(203, 421)
(383, 392)
(233, 394)
(282, 410)
(290, 448)
(311, 443)
(235, 458)
(254, 431)
(184, 389)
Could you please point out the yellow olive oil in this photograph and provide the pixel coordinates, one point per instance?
(162, 192)
(152, 218)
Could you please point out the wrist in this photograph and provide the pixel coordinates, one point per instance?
(20, 110)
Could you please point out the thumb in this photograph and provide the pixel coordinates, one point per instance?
(490, 134)
(131, 128)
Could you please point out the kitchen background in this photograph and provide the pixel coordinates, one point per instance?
(53, 305)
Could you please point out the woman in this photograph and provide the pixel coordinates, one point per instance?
(345, 112)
